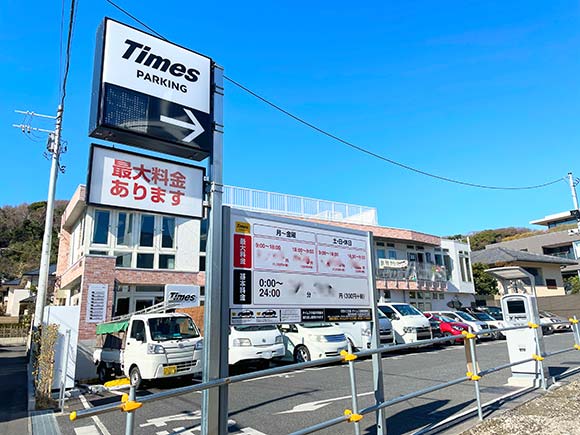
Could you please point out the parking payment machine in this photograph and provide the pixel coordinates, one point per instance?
(519, 307)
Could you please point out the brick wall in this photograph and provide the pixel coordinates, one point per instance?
(196, 313)
(157, 277)
(97, 270)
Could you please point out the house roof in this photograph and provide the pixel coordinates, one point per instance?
(385, 232)
(35, 272)
(505, 255)
(12, 282)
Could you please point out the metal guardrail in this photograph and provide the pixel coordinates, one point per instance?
(130, 403)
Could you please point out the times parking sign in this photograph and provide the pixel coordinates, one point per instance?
(150, 93)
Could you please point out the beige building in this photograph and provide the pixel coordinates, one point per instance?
(546, 269)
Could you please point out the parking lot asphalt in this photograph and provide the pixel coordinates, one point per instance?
(285, 403)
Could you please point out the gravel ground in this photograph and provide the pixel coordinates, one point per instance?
(555, 413)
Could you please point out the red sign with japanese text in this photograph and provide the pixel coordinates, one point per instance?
(129, 180)
(242, 251)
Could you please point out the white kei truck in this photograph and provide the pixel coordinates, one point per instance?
(148, 344)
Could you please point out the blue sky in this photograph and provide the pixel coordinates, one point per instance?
(483, 91)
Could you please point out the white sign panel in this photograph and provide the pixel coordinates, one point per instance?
(129, 180)
(138, 61)
(290, 271)
(97, 303)
(186, 296)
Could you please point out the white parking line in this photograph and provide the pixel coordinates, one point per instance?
(87, 430)
(96, 419)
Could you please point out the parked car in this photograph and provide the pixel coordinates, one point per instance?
(463, 317)
(409, 324)
(255, 343)
(491, 321)
(359, 333)
(148, 346)
(494, 312)
(448, 327)
(558, 323)
(312, 341)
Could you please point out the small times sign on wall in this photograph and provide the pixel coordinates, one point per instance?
(291, 271)
(135, 181)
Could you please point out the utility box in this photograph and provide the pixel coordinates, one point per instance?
(520, 308)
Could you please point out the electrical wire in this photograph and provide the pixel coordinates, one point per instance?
(71, 21)
(60, 46)
(348, 143)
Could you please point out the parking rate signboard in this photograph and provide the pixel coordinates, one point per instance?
(291, 271)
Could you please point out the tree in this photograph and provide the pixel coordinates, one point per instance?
(572, 284)
(485, 284)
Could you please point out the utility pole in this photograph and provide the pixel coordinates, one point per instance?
(573, 190)
(54, 149)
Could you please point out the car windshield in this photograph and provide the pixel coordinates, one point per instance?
(446, 319)
(407, 310)
(315, 325)
(255, 328)
(172, 328)
(466, 316)
(484, 317)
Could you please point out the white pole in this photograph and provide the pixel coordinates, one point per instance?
(47, 238)
(573, 190)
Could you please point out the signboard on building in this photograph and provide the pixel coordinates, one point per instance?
(186, 296)
(135, 181)
(151, 93)
(290, 271)
(97, 303)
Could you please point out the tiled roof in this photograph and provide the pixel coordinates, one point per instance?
(505, 255)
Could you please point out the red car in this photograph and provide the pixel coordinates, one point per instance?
(448, 327)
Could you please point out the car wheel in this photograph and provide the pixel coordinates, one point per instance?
(301, 354)
(135, 377)
(449, 334)
(103, 373)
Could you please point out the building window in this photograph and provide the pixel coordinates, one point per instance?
(124, 229)
(381, 253)
(168, 232)
(122, 306)
(101, 227)
(428, 257)
(147, 230)
(411, 256)
(537, 273)
(551, 284)
(392, 254)
(123, 259)
(438, 260)
(390, 245)
(93, 252)
(387, 295)
(145, 261)
(166, 261)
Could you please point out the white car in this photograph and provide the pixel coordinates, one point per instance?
(359, 333)
(463, 317)
(409, 324)
(312, 341)
(255, 343)
(493, 323)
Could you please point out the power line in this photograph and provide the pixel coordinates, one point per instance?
(345, 142)
(71, 21)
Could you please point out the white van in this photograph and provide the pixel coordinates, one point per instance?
(409, 324)
(149, 346)
(311, 341)
(255, 343)
(359, 333)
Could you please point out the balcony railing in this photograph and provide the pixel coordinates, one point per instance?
(298, 206)
(414, 271)
(569, 255)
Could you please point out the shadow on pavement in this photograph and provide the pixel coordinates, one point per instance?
(418, 417)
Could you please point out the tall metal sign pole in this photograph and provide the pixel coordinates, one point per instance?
(215, 400)
(47, 237)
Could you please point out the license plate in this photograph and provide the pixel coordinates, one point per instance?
(169, 370)
(267, 355)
